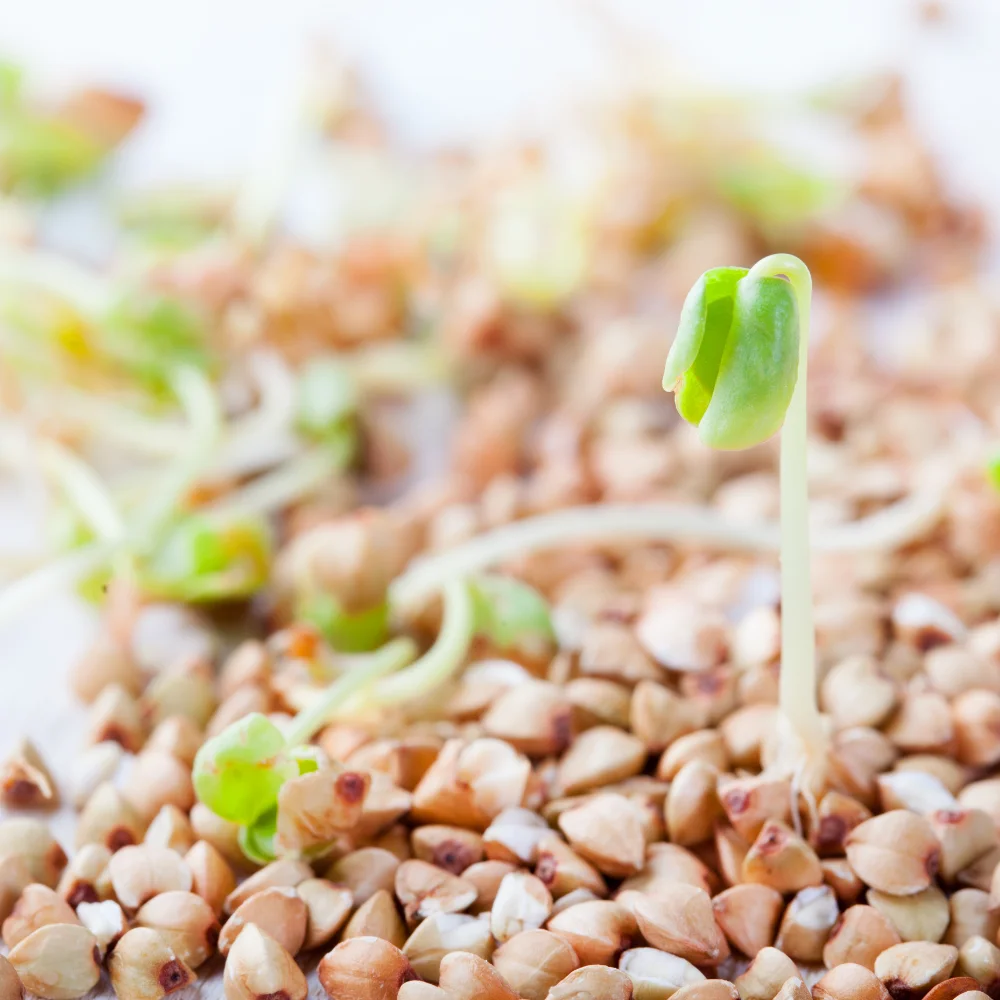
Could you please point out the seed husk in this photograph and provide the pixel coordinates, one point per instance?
(105, 920)
(522, 903)
(377, 917)
(692, 806)
(57, 961)
(442, 933)
(593, 981)
(31, 841)
(657, 975)
(532, 962)
(448, 847)
(598, 757)
(597, 930)
(781, 859)
(850, 982)
(364, 968)
(278, 912)
(895, 852)
(115, 715)
(144, 967)
(465, 976)
(910, 969)
(281, 874)
(139, 873)
(211, 876)
(860, 935)
(185, 921)
(85, 879)
(535, 717)
(328, 907)
(25, 780)
(608, 831)
(38, 905)
(514, 836)
(748, 915)
(258, 968)
(766, 974)
(170, 828)
(964, 835)
(972, 915)
(922, 916)
(424, 889)
(315, 808)
(807, 923)
(109, 820)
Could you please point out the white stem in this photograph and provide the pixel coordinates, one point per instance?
(84, 490)
(90, 293)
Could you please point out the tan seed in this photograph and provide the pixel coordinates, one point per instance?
(745, 731)
(223, 835)
(277, 912)
(766, 974)
(185, 921)
(468, 977)
(86, 879)
(856, 694)
(31, 841)
(976, 718)
(139, 873)
(946, 770)
(10, 984)
(105, 920)
(710, 989)
(115, 715)
(593, 981)
(315, 808)
(964, 836)
(442, 933)
(680, 919)
(597, 930)
(522, 903)
(793, 988)
(705, 745)
(781, 859)
(836, 815)
(170, 828)
(38, 905)
(914, 790)
(364, 968)
(534, 961)
(109, 820)
(377, 917)
(415, 989)
(599, 702)
(57, 961)
(514, 836)
(841, 877)
(671, 863)
(598, 757)
(424, 889)
(177, 736)
(258, 968)
(692, 807)
(25, 781)
(922, 916)
(248, 663)
(972, 915)
(657, 975)
(658, 716)
(850, 982)
(731, 850)
(912, 968)
(682, 634)
(94, 766)
(285, 873)
(750, 802)
(535, 717)
(563, 871)
(895, 852)
(607, 830)
(448, 847)
(105, 663)
(748, 915)
(980, 959)
(328, 907)
(807, 923)
(211, 876)
(952, 988)
(859, 937)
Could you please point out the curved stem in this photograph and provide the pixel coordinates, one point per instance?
(84, 490)
(797, 685)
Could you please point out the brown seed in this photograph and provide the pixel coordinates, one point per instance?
(766, 974)
(534, 961)
(858, 756)
(964, 835)
(328, 907)
(184, 688)
(157, 779)
(599, 702)
(710, 989)
(423, 889)
(404, 761)
(25, 781)
(282, 874)
(177, 736)
(170, 828)
(745, 731)
(860, 935)
(607, 830)
(850, 982)
(395, 840)
(315, 808)
(522, 903)
(598, 757)
(658, 716)
(278, 912)
(535, 717)
(258, 968)
(468, 977)
(680, 919)
(980, 959)
(976, 718)
(223, 835)
(705, 745)
(105, 920)
(57, 961)
(597, 930)
(139, 873)
(377, 917)
(952, 988)
(109, 820)
(448, 847)
(972, 915)
(364, 871)
(922, 916)
(364, 968)
(31, 842)
(611, 650)
(896, 852)
(185, 921)
(692, 807)
(38, 905)
(514, 836)
(593, 981)
(657, 975)
(781, 859)
(925, 623)
(912, 968)
(86, 879)
(144, 967)
(748, 915)
(856, 694)
(750, 802)
(836, 815)
(840, 877)
(115, 715)
(211, 876)
(807, 923)
(10, 984)
(442, 933)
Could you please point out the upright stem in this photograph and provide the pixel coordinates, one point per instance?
(797, 688)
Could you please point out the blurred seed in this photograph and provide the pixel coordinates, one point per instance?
(448, 847)
(836, 815)
(248, 663)
(976, 717)
(532, 962)
(765, 975)
(858, 756)
(793, 988)
(115, 715)
(860, 935)
(680, 919)
(972, 915)
(573, 898)
(985, 795)
(914, 790)
(850, 982)
(236, 706)
(692, 806)
(599, 702)
(57, 961)
(177, 736)
(514, 835)
(598, 930)
(328, 906)
(377, 917)
(364, 871)
(750, 802)
(964, 835)
(278, 912)
(807, 923)
(284, 873)
(144, 967)
(658, 716)
(522, 903)
(657, 975)
(223, 835)
(535, 717)
(856, 694)
(913, 967)
(364, 968)
(423, 889)
(923, 722)
(562, 870)
(139, 873)
(979, 874)
(170, 828)
(92, 767)
(980, 959)
(25, 781)
(731, 850)
(86, 878)
(105, 663)
(10, 984)
(683, 635)
(314, 808)
(748, 916)
(921, 916)
(442, 933)
(593, 981)
(705, 745)
(184, 688)
(925, 623)
(154, 780)
(598, 757)
(840, 877)
(670, 863)
(416, 989)
(781, 859)
(395, 840)
(211, 876)
(895, 852)
(608, 831)
(744, 732)
(105, 920)
(109, 820)
(468, 977)
(185, 921)
(258, 968)
(945, 769)
(952, 988)
(37, 906)
(31, 842)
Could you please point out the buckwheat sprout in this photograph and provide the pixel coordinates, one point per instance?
(84, 489)
(91, 294)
